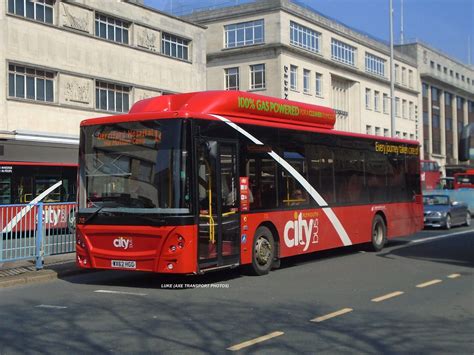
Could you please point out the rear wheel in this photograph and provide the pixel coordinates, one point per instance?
(263, 251)
(379, 233)
(468, 219)
(448, 221)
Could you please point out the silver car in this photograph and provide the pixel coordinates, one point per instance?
(440, 211)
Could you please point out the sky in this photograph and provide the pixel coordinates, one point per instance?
(446, 25)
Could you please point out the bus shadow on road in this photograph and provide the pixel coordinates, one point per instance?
(455, 250)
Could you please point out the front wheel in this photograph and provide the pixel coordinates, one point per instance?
(448, 221)
(468, 219)
(379, 233)
(263, 251)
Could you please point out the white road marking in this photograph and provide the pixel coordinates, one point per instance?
(387, 296)
(120, 292)
(438, 237)
(332, 315)
(428, 283)
(254, 341)
(50, 306)
(454, 276)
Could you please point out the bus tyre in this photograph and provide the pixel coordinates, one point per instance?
(379, 233)
(263, 251)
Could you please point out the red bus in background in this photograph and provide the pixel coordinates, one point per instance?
(430, 175)
(195, 182)
(464, 179)
(23, 184)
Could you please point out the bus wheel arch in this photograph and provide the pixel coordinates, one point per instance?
(378, 232)
(264, 249)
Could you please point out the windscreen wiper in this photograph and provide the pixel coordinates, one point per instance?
(93, 214)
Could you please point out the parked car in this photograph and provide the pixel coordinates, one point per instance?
(441, 211)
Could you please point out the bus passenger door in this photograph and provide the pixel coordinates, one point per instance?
(218, 193)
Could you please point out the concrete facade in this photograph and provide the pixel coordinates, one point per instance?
(447, 102)
(77, 61)
(344, 86)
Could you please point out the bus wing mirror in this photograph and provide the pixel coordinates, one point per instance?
(466, 149)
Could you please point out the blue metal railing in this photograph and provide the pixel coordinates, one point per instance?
(32, 231)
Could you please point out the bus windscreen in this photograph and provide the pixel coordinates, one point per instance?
(137, 167)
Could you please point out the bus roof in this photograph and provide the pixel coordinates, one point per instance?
(236, 104)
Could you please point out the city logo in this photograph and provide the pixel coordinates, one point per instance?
(123, 242)
(303, 230)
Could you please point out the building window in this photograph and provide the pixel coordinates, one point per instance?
(397, 73)
(432, 64)
(397, 106)
(448, 123)
(319, 84)
(411, 112)
(405, 135)
(439, 67)
(434, 94)
(470, 106)
(244, 34)
(368, 129)
(293, 77)
(425, 88)
(397, 134)
(30, 83)
(410, 78)
(451, 73)
(385, 132)
(404, 76)
(459, 102)
(445, 70)
(111, 29)
(447, 99)
(112, 97)
(374, 64)
(39, 10)
(304, 37)
(232, 79)
(377, 131)
(175, 46)
(385, 103)
(449, 149)
(368, 97)
(306, 81)
(426, 118)
(342, 52)
(376, 101)
(457, 76)
(404, 108)
(257, 76)
(435, 120)
(412, 136)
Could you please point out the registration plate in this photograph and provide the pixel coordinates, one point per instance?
(125, 264)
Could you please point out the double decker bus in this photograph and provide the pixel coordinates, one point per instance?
(430, 174)
(194, 182)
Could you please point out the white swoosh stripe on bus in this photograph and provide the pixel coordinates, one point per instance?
(14, 221)
(306, 185)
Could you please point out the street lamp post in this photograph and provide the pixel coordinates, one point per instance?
(392, 72)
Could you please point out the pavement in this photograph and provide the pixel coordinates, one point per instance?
(24, 271)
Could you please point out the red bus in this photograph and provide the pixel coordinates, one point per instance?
(464, 179)
(195, 182)
(430, 175)
(23, 184)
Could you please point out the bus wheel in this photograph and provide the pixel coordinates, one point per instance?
(379, 233)
(263, 251)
